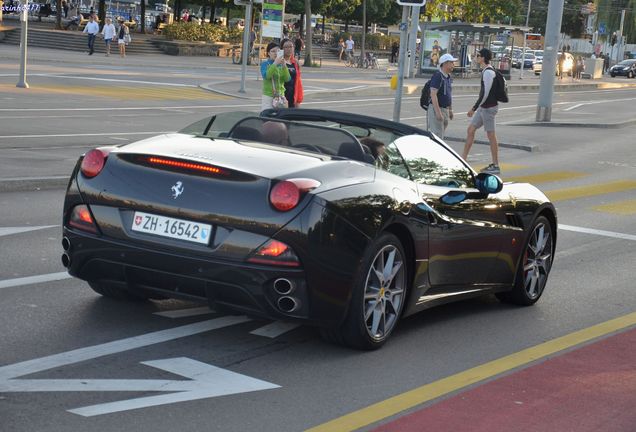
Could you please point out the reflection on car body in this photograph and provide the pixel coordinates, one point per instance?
(312, 229)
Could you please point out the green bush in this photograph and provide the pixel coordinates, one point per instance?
(192, 32)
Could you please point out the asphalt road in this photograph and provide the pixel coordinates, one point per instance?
(69, 349)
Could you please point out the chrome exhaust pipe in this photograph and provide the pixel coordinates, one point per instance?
(66, 243)
(288, 304)
(283, 286)
(66, 260)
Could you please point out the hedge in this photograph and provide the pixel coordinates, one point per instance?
(191, 32)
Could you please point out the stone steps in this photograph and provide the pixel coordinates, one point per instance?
(77, 41)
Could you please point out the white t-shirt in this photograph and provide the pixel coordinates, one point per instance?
(109, 31)
(91, 28)
(349, 43)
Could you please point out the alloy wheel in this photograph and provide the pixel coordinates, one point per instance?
(537, 261)
(384, 292)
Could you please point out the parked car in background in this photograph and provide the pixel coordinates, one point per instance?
(625, 68)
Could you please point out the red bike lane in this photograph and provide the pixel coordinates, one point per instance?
(588, 389)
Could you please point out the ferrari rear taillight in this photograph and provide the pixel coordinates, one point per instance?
(94, 161)
(286, 194)
(81, 218)
(275, 252)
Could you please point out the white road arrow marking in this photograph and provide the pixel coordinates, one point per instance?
(205, 380)
(82, 354)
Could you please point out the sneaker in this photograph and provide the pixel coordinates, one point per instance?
(492, 169)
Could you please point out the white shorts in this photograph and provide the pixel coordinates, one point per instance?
(121, 42)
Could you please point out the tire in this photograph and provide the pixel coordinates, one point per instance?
(534, 267)
(630, 74)
(613, 75)
(119, 291)
(376, 305)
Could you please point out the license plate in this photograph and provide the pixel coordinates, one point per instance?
(171, 227)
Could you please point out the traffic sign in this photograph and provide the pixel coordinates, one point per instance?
(411, 2)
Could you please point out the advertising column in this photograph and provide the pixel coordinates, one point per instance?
(273, 13)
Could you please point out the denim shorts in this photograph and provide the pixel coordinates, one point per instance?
(485, 117)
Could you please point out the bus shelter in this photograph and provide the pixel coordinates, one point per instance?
(463, 41)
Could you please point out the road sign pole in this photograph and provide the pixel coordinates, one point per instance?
(24, 17)
(246, 44)
(415, 23)
(400, 76)
(551, 50)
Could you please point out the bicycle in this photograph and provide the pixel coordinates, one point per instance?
(237, 55)
(352, 61)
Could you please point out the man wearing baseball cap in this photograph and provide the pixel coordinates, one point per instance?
(440, 109)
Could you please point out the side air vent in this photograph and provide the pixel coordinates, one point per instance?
(514, 220)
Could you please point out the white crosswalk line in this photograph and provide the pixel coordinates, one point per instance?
(275, 329)
(5, 231)
(182, 313)
(50, 277)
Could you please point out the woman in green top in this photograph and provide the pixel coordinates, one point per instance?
(275, 75)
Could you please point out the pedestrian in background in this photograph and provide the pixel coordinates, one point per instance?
(349, 46)
(484, 111)
(92, 29)
(275, 74)
(122, 38)
(440, 108)
(561, 64)
(341, 45)
(294, 87)
(108, 32)
(606, 63)
(299, 45)
(395, 49)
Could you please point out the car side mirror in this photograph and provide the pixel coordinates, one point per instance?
(488, 183)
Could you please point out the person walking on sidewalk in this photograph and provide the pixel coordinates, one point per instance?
(440, 108)
(484, 111)
(108, 32)
(123, 38)
(92, 29)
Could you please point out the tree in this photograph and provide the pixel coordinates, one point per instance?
(58, 16)
(473, 11)
(142, 14)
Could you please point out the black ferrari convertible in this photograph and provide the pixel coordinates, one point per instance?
(338, 220)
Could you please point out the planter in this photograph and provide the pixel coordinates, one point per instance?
(186, 48)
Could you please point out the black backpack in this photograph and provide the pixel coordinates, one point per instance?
(425, 97)
(501, 87)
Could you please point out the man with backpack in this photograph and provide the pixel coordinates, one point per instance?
(440, 107)
(485, 109)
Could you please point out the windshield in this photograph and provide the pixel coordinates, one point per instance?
(428, 162)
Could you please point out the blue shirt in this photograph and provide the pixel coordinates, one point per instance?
(443, 84)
